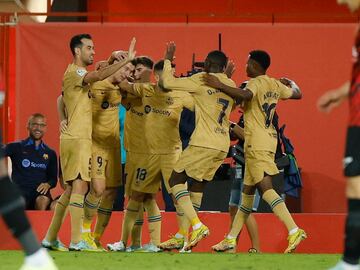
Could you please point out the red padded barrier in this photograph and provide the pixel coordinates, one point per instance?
(325, 231)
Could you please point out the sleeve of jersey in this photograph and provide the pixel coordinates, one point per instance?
(142, 89)
(285, 92)
(180, 84)
(77, 77)
(52, 170)
(252, 86)
(9, 149)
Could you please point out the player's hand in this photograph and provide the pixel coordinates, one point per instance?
(101, 64)
(230, 68)
(43, 188)
(286, 81)
(170, 51)
(63, 126)
(212, 81)
(132, 52)
(329, 101)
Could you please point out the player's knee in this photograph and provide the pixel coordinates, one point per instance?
(249, 190)
(79, 187)
(110, 193)
(353, 187)
(177, 179)
(42, 202)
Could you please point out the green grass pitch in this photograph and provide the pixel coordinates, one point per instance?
(11, 260)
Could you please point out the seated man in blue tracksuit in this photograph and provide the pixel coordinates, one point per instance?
(34, 165)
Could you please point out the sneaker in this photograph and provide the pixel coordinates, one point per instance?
(82, 246)
(149, 248)
(117, 246)
(50, 265)
(294, 240)
(172, 243)
(134, 249)
(253, 250)
(55, 245)
(182, 250)
(89, 239)
(224, 245)
(197, 236)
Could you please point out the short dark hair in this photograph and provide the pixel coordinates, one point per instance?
(218, 58)
(76, 42)
(261, 57)
(159, 66)
(144, 60)
(35, 115)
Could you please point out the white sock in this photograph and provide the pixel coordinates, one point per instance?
(291, 232)
(179, 236)
(39, 258)
(230, 237)
(85, 230)
(347, 266)
(197, 226)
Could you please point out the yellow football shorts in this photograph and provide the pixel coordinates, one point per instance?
(257, 164)
(106, 165)
(200, 163)
(144, 172)
(75, 159)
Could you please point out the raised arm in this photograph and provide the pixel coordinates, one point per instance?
(103, 73)
(333, 98)
(236, 93)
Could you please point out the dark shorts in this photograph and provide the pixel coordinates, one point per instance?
(30, 198)
(352, 152)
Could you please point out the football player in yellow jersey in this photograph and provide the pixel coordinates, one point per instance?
(260, 98)
(106, 159)
(75, 141)
(210, 140)
(135, 144)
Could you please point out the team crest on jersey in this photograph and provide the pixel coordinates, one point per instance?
(81, 72)
(147, 109)
(46, 156)
(169, 101)
(105, 105)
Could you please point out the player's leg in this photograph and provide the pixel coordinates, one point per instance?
(154, 221)
(247, 200)
(279, 208)
(104, 213)
(51, 240)
(252, 226)
(13, 212)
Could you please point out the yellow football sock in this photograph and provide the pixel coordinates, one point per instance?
(279, 208)
(154, 219)
(103, 216)
(183, 222)
(242, 214)
(58, 217)
(196, 198)
(91, 204)
(136, 232)
(183, 200)
(76, 209)
(131, 214)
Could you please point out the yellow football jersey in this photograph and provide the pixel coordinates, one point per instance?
(77, 100)
(106, 98)
(134, 132)
(163, 111)
(259, 132)
(212, 108)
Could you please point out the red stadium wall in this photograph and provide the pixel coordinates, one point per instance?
(317, 56)
(272, 232)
